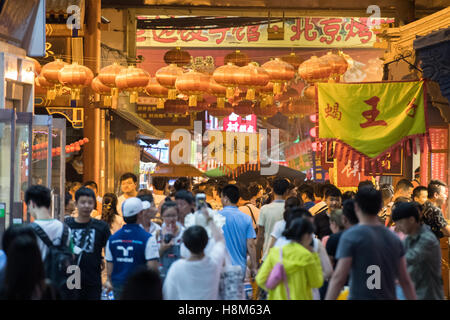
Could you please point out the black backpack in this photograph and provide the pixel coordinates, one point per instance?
(58, 259)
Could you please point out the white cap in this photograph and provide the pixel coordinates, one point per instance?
(131, 207)
(146, 205)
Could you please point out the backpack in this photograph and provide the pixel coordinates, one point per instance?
(278, 275)
(57, 261)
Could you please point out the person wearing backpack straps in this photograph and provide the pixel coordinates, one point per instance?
(53, 237)
(301, 265)
(90, 236)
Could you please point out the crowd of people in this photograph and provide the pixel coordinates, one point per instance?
(272, 239)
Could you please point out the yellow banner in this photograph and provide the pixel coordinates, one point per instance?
(309, 32)
(371, 118)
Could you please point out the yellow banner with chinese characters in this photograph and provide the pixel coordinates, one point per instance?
(371, 119)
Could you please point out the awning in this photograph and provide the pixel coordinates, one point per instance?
(176, 171)
(145, 128)
(147, 157)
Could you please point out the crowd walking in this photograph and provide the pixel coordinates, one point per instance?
(286, 240)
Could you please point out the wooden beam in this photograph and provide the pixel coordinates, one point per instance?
(61, 30)
(131, 35)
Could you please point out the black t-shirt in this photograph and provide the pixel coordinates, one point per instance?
(322, 224)
(96, 240)
(332, 243)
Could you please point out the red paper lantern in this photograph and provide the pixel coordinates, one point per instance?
(101, 90)
(155, 90)
(225, 76)
(176, 107)
(244, 108)
(309, 92)
(167, 76)
(192, 84)
(50, 72)
(313, 118)
(220, 113)
(313, 132)
(107, 76)
(75, 77)
(265, 112)
(279, 73)
(219, 91)
(337, 63)
(252, 76)
(133, 80)
(237, 58)
(178, 57)
(293, 60)
(314, 70)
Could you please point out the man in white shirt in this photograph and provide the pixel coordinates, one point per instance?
(269, 215)
(128, 185)
(38, 200)
(197, 278)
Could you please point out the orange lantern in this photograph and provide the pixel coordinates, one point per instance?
(252, 76)
(176, 107)
(337, 63)
(266, 94)
(37, 67)
(42, 86)
(107, 76)
(225, 76)
(178, 57)
(220, 113)
(167, 76)
(309, 92)
(154, 89)
(244, 108)
(314, 70)
(237, 58)
(50, 72)
(219, 91)
(133, 80)
(101, 90)
(279, 73)
(192, 84)
(265, 112)
(75, 77)
(293, 60)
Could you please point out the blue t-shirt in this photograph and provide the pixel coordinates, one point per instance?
(129, 248)
(237, 229)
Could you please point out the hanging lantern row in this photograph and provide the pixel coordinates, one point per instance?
(71, 148)
(328, 67)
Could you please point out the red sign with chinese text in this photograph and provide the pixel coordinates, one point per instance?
(235, 123)
(439, 138)
(439, 169)
(350, 174)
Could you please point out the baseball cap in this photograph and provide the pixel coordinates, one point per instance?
(131, 207)
(146, 205)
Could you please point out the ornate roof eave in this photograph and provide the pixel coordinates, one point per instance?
(399, 41)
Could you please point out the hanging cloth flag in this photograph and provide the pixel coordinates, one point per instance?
(369, 120)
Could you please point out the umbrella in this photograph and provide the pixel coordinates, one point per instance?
(214, 173)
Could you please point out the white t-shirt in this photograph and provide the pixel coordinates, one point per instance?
(151, 250)
(54, 229)
(158, 198)
(178, 240)
(278, 229)
(153, 228)
(195, 280)
(268, 216)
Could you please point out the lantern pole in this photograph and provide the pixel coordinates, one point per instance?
(94, 153)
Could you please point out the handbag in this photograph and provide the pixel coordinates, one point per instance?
(277, 275)
(231, 285)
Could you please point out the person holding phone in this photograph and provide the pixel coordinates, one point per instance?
(169, 238)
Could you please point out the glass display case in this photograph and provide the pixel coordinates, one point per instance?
(6, 173)
(48, 164)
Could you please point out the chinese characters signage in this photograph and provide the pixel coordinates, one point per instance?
(301, 32)
(235, 123)
(388, 165)
(439, 138)
(350, 173)
(371, 118)
(298, 155)
(439, 166)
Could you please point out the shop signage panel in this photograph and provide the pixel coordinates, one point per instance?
(300, 32)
